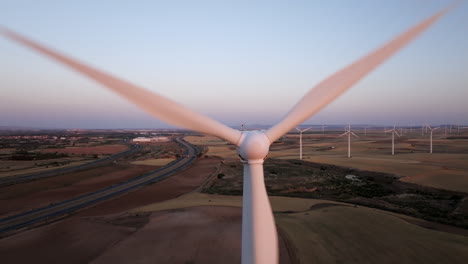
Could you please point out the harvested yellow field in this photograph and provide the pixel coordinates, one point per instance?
(216, 146)
(154, 162)
(222, 151)
(205, 140)
(26, 167)
(279, 204)
(344, 234)
(329, 232)
(89, 150)
(191, 200)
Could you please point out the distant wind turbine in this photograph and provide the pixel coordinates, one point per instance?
(323, 129)
(365, 130)
(259, 236)
(431, 130)
(349, 133)
(394, 132)
(300, 140)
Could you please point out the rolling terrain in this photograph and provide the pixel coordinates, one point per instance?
(376, 214)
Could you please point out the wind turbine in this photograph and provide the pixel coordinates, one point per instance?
(393, 138)
(365, 130)
(259, 237)
(323, 129)
(349, 133)
(300, 140)
(431, 130)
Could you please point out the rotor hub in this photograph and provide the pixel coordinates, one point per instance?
(254, 146)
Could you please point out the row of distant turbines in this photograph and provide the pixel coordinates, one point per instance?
(426, 129)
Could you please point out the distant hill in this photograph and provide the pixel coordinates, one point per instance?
(20, 128)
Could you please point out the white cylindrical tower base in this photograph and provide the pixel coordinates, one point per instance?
(259, 237)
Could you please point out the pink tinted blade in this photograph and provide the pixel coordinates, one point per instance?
(335, 85)
(154, 104)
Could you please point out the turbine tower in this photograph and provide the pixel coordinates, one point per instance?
(300, 140)
(349, 133)
(393, 131)
(259, 236)
(431, 130)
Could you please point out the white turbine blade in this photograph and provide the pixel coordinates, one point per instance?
(154, 104)
(345, 133)
(352, 133)
(298, 129)
(306, 129)
(259, 237)
(429, 126)
(396, 133)
(435, 128)
(335, 85)
(386, 131)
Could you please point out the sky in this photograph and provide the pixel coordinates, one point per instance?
(239, 62)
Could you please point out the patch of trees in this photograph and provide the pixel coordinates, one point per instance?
(28, 155)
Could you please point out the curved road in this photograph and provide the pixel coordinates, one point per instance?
(10, 180)
(42, 214)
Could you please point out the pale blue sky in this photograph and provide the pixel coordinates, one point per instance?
(237, 61)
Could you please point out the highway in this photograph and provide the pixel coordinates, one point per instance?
(10, 180)
(68, 206)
